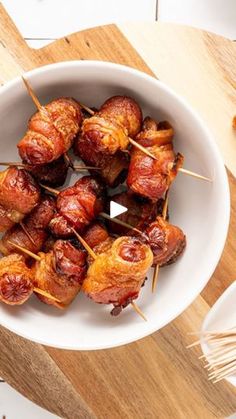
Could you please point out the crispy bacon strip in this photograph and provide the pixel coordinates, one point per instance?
(50, 134)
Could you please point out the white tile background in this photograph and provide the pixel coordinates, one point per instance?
(45, 20)
(14, 406)
(41, 21)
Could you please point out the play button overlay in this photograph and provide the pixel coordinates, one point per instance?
(116, 209)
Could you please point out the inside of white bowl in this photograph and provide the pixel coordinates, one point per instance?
(200, 208)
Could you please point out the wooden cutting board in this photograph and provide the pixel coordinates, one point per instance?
(156, 377)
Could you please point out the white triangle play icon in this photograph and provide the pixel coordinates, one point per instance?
(116, 209)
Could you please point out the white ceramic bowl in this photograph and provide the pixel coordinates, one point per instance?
(200, 208)
(222, 316)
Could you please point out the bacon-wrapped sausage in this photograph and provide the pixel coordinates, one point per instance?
(16, 280)
(48, 244)
(148, 177)
(60, 272)
(112, 168)
(95, 234)
(116, 275)
(5, 222)
(139, 215)
(108, 130)
(35, 225)
(19, 193)
(81, 203)
(51, 132)
(60, 227)
(98, 238)
(52, 174)
(166, 240)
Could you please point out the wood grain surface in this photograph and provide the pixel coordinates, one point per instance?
(156, 377)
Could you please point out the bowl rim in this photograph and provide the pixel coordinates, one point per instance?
(219, 166)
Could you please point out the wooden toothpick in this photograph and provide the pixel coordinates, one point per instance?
(85, 244)
(138, 310)
(117, 221)
(12, 163)
(26, 251)
(26, 232)
(68, 161)
(221, 357)
(49, 189)
(33, 95)
(193, 174)
(76, 167)
(87, 109)
(157, 267)
(46, 294)
(141, 148)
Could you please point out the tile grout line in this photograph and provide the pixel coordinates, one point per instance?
(156, 14)
(40, 39)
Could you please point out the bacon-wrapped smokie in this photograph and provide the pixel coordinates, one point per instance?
(51, 132)
(119, 271)
(16, 280)
(113, 168)
(98, 238)
(79, 204)
(19, 194)
(60, 227)
(60, 272)
(5, 219)
(167, 241)
(139, 214)
(53, 174)
(35, 229)
(108, 130)
(148, 177)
